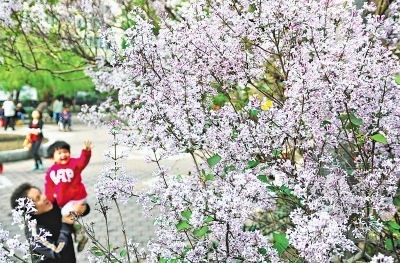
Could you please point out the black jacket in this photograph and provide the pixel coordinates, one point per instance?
(59, 247)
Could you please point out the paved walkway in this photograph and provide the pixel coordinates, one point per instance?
(139, 228)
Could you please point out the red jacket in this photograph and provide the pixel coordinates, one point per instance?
(64, 182)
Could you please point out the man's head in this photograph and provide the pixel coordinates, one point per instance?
(59, 152)
(42, 204)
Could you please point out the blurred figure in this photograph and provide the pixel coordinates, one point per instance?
(9, 113)
(57, 108)
(36, 138)
(20, 114)
(45, 112)
(1, 116)
(65, 119)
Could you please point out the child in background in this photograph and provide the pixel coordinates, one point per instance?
(65, 119)
(36, 138)
(63, 181)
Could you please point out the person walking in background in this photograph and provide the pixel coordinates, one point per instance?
(58, 246)
(36, 138)
(57, 108)
(63, 182)
(65, 119)
(45, 112)
(9, 113)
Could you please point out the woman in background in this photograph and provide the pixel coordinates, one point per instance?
(36, 138)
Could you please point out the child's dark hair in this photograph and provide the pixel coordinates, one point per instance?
(57, 146)
(20, 192)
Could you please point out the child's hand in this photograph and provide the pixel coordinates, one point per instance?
(68, 219)
(87, 145)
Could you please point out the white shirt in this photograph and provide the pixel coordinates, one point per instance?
(9, 108)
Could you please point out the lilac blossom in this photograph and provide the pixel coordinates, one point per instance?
(322, 138)
(330, 136)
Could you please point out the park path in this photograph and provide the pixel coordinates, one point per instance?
(139, 228)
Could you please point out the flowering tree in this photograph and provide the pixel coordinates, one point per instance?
(304, 168)
(307, 166)
(59, 36)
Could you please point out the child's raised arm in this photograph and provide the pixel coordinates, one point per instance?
(87, 145)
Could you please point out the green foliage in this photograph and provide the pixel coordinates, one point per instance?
(397, 79)
(280, 242)
(220, 99)
(253, 164)
(201, 232)
(379, 138)
(13, 76)
(212, 161)
(186, 214)
(183, 225)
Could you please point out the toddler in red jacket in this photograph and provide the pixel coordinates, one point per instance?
(63, 182)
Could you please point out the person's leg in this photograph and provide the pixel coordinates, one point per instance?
(12, 122)
(64, 122)
(36, 156)
(6, 122)
(21, 116)
(69, 124)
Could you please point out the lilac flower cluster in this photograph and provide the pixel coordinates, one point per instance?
(331, 138)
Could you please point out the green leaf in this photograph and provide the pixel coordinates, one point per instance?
(285, 189)
(208, 219)
(276, 153)
(229, 168)
(253, 113)
(396, 201)
(93, 249)
(325, 122)
(220, 99)
(263, 178)
(123, 253)
(252, 8)
(253, 164)
(98, 254)
(281, 242)
(397, 79)
(234, 134)
(124, 44)
(209, 177)
(183, 225)
(388, 244)
(186, 214)
(212, 161)
(200, 232)
(343, 116)
(379, 138)
(263, 251)
(356, 121)
(393, 225)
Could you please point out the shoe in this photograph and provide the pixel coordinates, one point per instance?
(82, 243)
(36, 168)
(40, 167)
